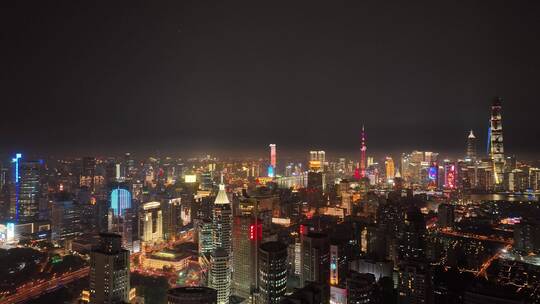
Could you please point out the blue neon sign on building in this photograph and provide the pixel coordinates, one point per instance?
(16, 161)
(120, 201)
(270, 171)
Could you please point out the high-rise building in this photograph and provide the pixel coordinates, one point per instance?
(220, 274)
(247, 235)
(26, 194)
(471, 148)
(151, 220)
(109, 271)
(527, 235)
(120, 198)
(220, 259)
(516, 180)
(361, 172)
(206, 244)
(414, 283)
(175, 215)
(361, 288)
(65, 217)
(222, 221)
(445, 216)
(496, 141)
(315, 258)
(334, 265)
(192, 295)
(317, 161)
(412, 235)
(450, 175)
(272, 272)
(121, 217)
(272, 166)
(88, 172)
(390, 168)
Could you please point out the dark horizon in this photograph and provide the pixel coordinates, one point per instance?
(234, 77)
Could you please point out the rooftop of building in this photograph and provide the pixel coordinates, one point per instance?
(180, 291)
(273, 246)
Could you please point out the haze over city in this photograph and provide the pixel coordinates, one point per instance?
(284, 152)
(191, 77)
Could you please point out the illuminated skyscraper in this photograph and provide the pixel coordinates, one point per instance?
(220, 260)
(471, 147)
(109, 271)
(120, 198)
(316, 161)
(390, 169)
(363, 157)
(222, 221)
(220, 274)
(496, 141)
(272, 272)
(334, 265)
(272, 166)
(206, 244)
(247, 235)
(152, 222)
(27, 189)
(450, 175)
(121, 216)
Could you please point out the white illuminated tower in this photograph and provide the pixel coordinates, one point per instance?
(220, 270)
(471, 147)
(496, 141)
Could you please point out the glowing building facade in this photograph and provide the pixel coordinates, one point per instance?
(273, 162)
(390, 168)
(120, 199)
(361, 171)
(450, 175)
(220, 275)
(220, 259)
(247, 234)
(121, 217)
(317, 160)
(27, 189)
(496, 141)
(471, 147)
(152, 223)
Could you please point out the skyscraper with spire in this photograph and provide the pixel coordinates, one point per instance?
(360, 171)
(496, 141)
(363, 156)
(220, 271)
(471, 147)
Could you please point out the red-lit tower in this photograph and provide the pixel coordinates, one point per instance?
(360, 171)
(363, 156)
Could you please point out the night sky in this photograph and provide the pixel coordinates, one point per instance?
(196, 76)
